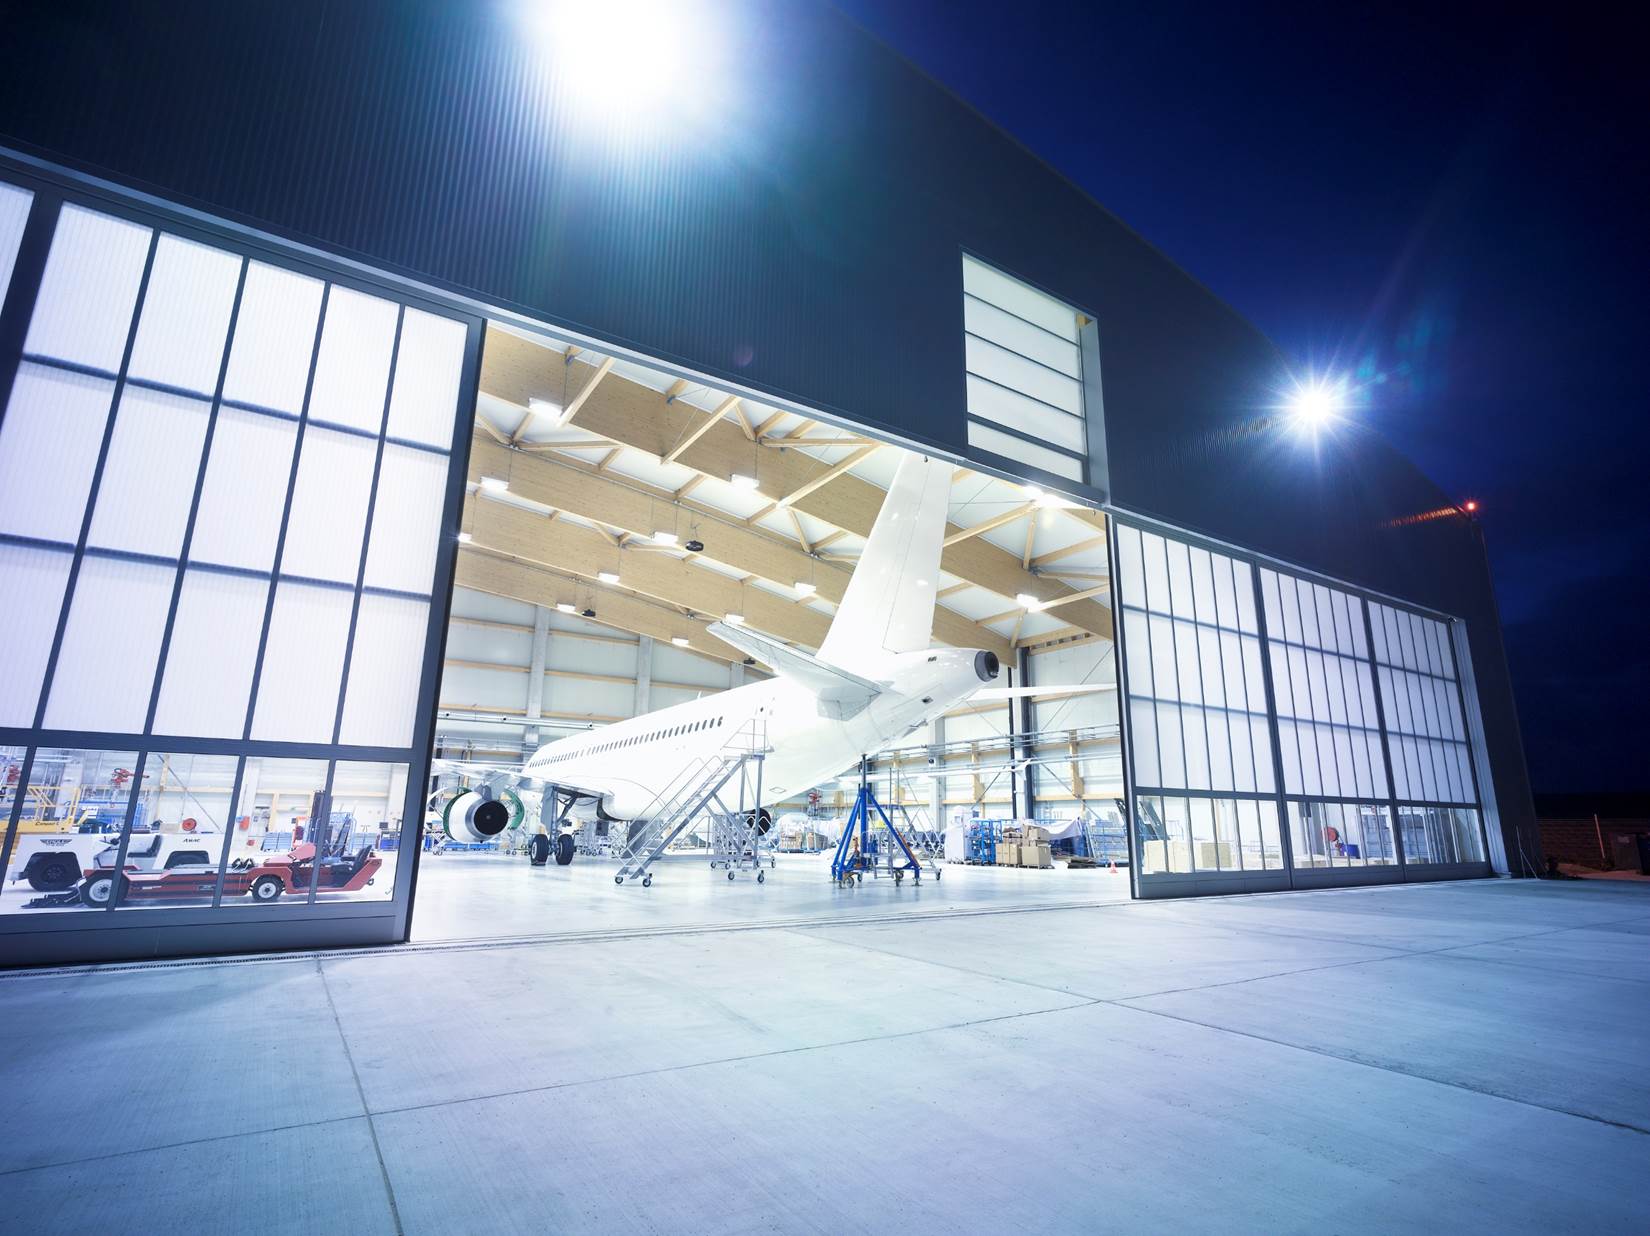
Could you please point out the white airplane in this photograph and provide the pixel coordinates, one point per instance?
(874, 681)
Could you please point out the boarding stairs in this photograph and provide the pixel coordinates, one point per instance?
(697, 790)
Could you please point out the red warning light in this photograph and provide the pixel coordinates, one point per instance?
(1470, 506)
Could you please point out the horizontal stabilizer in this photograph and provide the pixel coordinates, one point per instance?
(1050, 692)
(841, 695)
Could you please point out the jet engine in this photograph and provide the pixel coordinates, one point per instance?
(476, 816)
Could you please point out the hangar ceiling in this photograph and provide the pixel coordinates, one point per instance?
(590, 475)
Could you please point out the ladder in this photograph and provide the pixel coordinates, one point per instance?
(688, 795)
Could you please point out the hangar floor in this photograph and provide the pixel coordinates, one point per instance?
(1422, 1058)
(487, 896)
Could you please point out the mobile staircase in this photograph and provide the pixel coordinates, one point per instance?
(698, 790)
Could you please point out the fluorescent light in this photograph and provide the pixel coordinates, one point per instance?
(608, 577)
(805, 588)
(734, 620)
(544, 409)
(740, 481)
(1051, 502)
(665, 538)
(1028, 601)
(565, 608)
(464, 538)
(681, 641)
(495, 484)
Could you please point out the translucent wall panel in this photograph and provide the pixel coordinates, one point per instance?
(329, 506)
(83, 312)
(1197, 694)
(149, 479)
(1024, 366)
(1431, 761)
(303, 664)
(269, 361)
(406, 522)
(106, 670)
(35, 577)
(352, 371)
(208, 676)
(185, 317)
(385, 665)
(1182, 835)
(428, 369)
(14, 217)
(244, 496)
(48, 451)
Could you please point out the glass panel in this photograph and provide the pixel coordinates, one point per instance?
(185, 318)
(352, 370)
(1019, 299)
(274, 339)
(245, 492)
(14, 217)
(990, 401)
(83, 313)
(1228, 848)
(1005, 368)
(214, 647)
(1131, 569)
(35, 577)
(48, 451)
(106, 670)
(1270, 840)
(329, 506)
(428, 368)
(368, 801)
(149, 480)
(1010, 447)
(986, 320)
(271, 848)
(1206, 853)
(386, 661)
(406, 521)
(73, 810)
(179, 832)
(303, 662)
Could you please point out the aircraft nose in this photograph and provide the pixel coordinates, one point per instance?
(986, 665)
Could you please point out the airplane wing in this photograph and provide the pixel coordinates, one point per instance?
(841, 695)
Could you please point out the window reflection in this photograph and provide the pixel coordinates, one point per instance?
(73, 808)
(179, 833)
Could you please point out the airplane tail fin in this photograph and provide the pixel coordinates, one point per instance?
(889, 603)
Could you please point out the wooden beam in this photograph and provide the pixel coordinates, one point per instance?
(675, 453)
(576, 404)
(1076, 547)
(829, 475)
(990, 525)
(1031, 542)
(769, 423)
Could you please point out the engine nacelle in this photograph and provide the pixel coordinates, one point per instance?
(472, 819)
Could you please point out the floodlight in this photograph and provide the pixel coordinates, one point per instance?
(1316, 404)
(622, 58)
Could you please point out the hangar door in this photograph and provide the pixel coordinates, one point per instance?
(224, 479)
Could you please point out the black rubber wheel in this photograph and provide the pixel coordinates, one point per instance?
(730, 875)
(618, 879)
(760, 877)
(267, 888)
(647, 881)
(564, 849)
(53, 874)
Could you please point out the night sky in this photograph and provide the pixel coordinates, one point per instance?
(1457, 201)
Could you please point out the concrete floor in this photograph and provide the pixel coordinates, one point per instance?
(1459, 1057)
(492, 896)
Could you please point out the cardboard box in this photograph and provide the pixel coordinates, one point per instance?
(1008, 854)
(1037, 856)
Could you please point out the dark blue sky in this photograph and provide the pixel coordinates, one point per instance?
(1456, 200)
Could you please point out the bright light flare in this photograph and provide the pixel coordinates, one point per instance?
(622, 58)
(805, 588)
(495, 484)
(608, 577)
(1316, 404)
(740, 481)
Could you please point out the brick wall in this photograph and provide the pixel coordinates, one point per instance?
(1576, 840)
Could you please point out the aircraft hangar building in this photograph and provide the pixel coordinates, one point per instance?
(391, 389)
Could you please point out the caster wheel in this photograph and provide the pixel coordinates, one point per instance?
(860, 878)
(647, 881)
(618, 879)
(760, 877)
(730, 875)
(936, 877)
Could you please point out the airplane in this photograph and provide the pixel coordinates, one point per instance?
(874, 681)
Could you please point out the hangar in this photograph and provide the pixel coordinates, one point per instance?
(387, 397)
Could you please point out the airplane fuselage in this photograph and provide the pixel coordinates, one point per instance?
(627, 764)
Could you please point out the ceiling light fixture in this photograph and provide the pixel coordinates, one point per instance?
(665, 538)
(565, 608)
(608, 577)
(681, 641)
(464, 538)
(495, 484)
(805, 588)
(1028, 601)
(544, 409)
(740, 481)
(734, 620)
